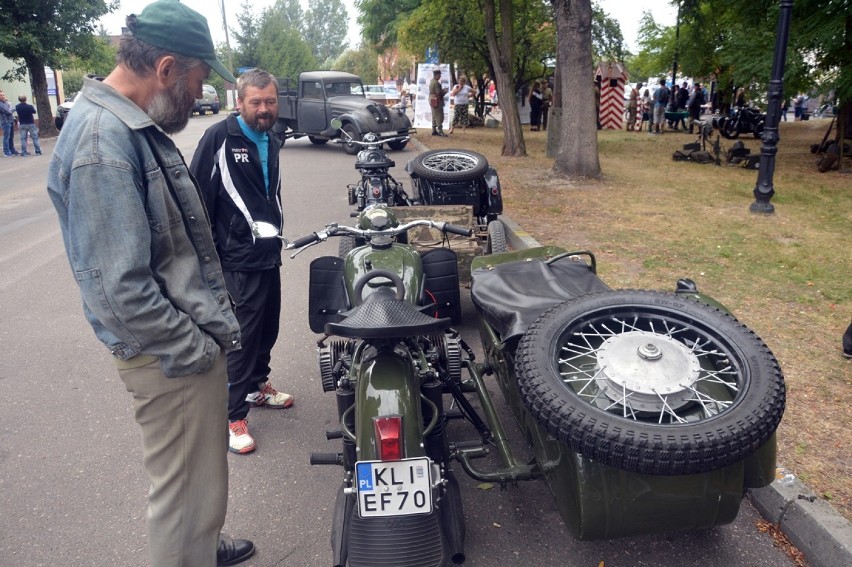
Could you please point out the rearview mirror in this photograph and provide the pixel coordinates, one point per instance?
(261, 229)
(336, 123)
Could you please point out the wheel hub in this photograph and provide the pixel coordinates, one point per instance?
(647, 371)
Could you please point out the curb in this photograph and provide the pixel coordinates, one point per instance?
(811, 523)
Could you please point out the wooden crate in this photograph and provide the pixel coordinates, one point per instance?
(423, 238)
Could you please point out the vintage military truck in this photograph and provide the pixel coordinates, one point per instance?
(307, 106)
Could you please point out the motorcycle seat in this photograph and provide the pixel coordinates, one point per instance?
(511, 296)
(383, 316)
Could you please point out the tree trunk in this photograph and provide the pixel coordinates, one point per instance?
(46, 127)
(577, 155)
(501, 58)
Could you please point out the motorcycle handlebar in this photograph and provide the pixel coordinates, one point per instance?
(304, 241)
(335, 230)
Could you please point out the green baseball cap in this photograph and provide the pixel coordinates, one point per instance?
(170, 25)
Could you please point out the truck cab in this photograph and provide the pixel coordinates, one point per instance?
(307, 106)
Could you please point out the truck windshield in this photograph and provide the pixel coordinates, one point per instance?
(343, 89)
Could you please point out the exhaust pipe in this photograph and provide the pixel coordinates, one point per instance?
(452, 519)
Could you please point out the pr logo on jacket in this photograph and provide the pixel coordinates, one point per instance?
(241, 155)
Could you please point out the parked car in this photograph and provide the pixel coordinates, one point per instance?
(62, 111)
(209, 101)
(375, 92)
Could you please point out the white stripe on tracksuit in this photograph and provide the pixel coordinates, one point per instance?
(228, 184)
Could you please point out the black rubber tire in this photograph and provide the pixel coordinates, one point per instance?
(496, 238)
(345, 245)
(397, 145)
(758, 128)
(731, 129)
(215, 110)
(201, 112)
(317, 141)
(735, 363)
(351, 149)
(449, 166)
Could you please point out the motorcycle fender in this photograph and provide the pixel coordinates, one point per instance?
(400, 259)
(387, 386)
(495, 195)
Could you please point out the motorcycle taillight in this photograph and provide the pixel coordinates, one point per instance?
(388, 437)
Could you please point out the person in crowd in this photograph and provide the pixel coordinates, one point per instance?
(785, 106)
(661, 99)
(547, 92)
(646, 111)
(682, 99)
(236, 164)
(436, 103)
(7, 124)
(799, 107)
(461, 94)
(671, 107)
(26, 125)
(142, 252)
(633, 106)
(740, 98)
(536, 100)
(694, 104)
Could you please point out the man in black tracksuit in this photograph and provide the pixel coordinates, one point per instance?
(236, 165)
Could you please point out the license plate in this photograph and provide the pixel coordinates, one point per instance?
(394, 488)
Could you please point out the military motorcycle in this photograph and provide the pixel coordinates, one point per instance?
(646, 411)
(743, 120)
(438, 178)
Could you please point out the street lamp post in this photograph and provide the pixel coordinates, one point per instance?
(764, 189)
(677, 46)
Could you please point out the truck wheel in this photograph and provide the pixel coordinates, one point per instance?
(650, 382)
(496, 238)
(317, 141)
(398, 145)
(351, 149)
(449, 166)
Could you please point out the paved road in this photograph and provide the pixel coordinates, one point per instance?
(72, 492)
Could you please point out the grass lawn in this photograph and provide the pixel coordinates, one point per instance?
(788, 276)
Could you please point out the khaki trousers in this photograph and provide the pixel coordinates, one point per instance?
(184, 446)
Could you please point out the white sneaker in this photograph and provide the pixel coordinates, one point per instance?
(239, 440)
(270, 397)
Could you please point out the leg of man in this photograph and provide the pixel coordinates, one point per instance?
(10, 138)
(34, 136)
(258, 303)
(23, 132)
(185, 444)
(269, 305)
(3, 128)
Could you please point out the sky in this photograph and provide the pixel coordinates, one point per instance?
(627, 12)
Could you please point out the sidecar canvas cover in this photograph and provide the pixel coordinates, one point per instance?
(604, 487)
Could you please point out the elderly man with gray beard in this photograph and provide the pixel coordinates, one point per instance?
(141, 250)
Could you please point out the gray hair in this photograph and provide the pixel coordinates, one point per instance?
(257, 78)
(142, 57)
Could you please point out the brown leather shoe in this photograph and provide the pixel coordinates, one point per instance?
(232, 551)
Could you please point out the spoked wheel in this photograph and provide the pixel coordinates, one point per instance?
(650, 382)
(450, 165)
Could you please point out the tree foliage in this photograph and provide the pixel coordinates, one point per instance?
(362, 62)
(46, 33)
(325, 28)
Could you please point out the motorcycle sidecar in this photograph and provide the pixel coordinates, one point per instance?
(647, 412)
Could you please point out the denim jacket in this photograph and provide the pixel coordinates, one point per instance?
(138, 237)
